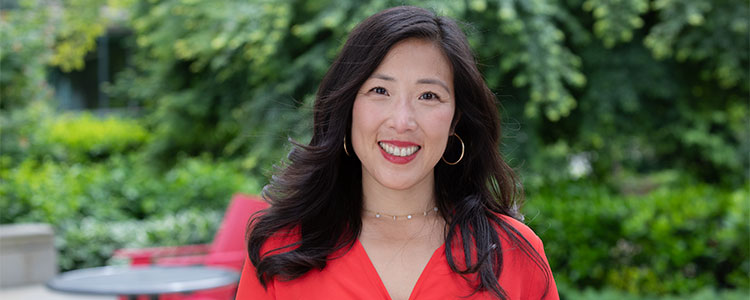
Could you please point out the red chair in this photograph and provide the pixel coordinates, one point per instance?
(227, 250)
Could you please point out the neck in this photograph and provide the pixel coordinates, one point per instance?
(417, 199)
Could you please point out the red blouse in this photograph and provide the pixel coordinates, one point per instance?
(353, 276)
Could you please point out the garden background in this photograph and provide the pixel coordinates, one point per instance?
(129, 123)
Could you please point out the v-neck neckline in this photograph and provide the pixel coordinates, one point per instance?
(370, 268)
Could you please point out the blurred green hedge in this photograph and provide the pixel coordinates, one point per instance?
(84, 137)
(84, 175)
(90, 242)
(705, 293)
(675, 239)
(123, 187)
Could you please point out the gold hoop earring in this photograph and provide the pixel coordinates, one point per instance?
(462, 152)
(345, 150)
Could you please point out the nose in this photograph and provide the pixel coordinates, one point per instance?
(402, 116)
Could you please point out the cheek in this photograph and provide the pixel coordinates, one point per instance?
(440, 123)
(437, 130)
(362, 123)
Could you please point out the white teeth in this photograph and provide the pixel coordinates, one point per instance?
(398, 151)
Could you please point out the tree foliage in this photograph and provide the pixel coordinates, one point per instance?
(639, 85)
(36, 35)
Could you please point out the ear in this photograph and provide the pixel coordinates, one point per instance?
(456, 118)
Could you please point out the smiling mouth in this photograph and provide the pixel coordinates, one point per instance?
(398, 151)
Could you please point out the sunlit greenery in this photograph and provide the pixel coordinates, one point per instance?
(628, 121)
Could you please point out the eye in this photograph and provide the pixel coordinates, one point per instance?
(379, 90)
(429, 96)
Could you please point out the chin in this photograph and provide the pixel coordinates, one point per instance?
(399, 186)
(398, 182)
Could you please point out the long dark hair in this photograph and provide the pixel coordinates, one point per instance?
(318, 192)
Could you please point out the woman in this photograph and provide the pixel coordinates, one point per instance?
(401, 193)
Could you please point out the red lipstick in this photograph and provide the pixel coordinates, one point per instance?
(399, 159)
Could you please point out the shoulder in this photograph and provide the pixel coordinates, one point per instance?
(527, 273)
(281, 241)
(519, 230)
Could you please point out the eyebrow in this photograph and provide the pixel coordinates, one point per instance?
(435, 81)
(420, 81)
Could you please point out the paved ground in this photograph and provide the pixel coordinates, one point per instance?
(30, 292)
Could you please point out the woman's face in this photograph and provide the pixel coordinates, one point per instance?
(402, 116)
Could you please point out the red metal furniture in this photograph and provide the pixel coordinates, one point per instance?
(227, 250)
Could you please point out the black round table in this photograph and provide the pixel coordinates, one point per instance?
(133, 281)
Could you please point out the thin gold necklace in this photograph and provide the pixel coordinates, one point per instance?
(379, 215)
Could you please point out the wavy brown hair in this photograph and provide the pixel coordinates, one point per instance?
(318, 192)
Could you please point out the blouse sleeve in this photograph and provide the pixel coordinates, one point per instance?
(551, 287)
(541, 283)
(250, 287)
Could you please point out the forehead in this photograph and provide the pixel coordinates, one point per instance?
(416, 59)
